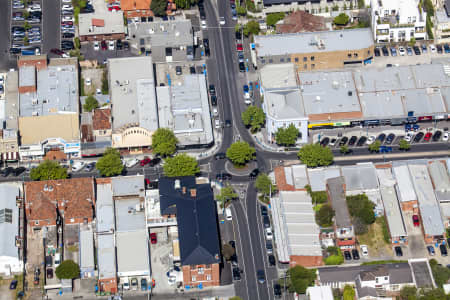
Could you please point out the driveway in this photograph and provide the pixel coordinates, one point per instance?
(416, 243)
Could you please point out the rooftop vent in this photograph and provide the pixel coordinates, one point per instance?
(193, 193)
(177, 184)
(350, 93)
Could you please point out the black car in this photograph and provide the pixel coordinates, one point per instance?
(220, 155)
(236, 273)
(361, 141)
(343, 141)
(385, 51)
(234, 260)
(192, 69)
(416, 50)
(154, 162)
(381, 138)
(269, 247)
(223, 176)
(271, 260)
(7, 171)
(126, 46)
(446, 48)
(254, 174)
(241, 67)
(439, 48)
(390, 138)
(418, 137)
(213, 100)
(355, 254)
(437, 136)
(324, 142)
(238, 35)
(266, 221)
(352, 140)
(212, 90)
(13, 285)
(119, 44)
(18, 171)
(398, 251)
(261, 276)
(347, 255)
(277, 290)
(232, 244)
(67, 45)
(263, 210)
(443, 250)
(68, 35)
(377, 51)
(227, 123)
(14, 50)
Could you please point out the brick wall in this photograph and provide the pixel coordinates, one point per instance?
(100, 37)
(305, 261)
(108, 285)
(207, 275)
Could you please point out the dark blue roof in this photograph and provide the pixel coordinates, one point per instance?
(196, 218)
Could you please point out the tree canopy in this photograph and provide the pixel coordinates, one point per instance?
(314, 155)
(239, 153)
(110, 163)
(287, 136)
(264, 185)
(228, 251)
(375, 146)
(185, 4)
(164, 142)
(349, 292)
(253, 117)
(252, 27)
(48, 170)
(90, 103)
(181, 165)
(301, 278)
(342, 19)
(272, 19)
(226, 193)
(404, 145)
(359, 206)
(68, 269)
(324, 216)
(158, 7)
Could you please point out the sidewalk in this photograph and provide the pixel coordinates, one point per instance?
(404, 155)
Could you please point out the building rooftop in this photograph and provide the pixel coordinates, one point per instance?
(404, 9)
(126, 5)
(133, 253)
(184, 108)
(106, 255)
(442, 16)
(132, 89)
(105, 208)
(278, 76)
(301, 21)
(130, 214)
(422, 273)
(284, 104)
(381, 104)
(311, 42)
(393, 212)
(360, 177)
(87, 248)
(99, 23)
(9, 220)
(101, 119)
(323, 292)
(12, 100)
(318, 177)
(296, 175)
(128, 186)
(338, 201)
(405, 189)
(441, 180)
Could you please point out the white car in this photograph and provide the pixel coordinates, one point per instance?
(111, 45)
(65, 55)
(409, 136)
(78, 165)
(269, 235)
(215, 112)
(66, 1)
(88, 81)
(96, 46)
(248, 101)
(228, 214)
(2, 79)
(445, 137)
(67, 7)
(432, 48)
(98, 91)
(131, 162)
(401, 51)
(364, 250)
(217, 123)
(67, 19)
(370, 140)
(222, 21)
(203, 24)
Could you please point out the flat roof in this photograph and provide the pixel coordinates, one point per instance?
(393, 212)
(104, 208)
(86, 248)
(318, 177)
(106, 256)
(27, 75)
(441, 180)
(296, 175)
(405, 189)
(112, 23)
(381, 104)
(320, 292)
(284, 104)
(128, 185)
(130, 214)
(9, 231)
(133, 253)
(132, 89)
(277, 76)
(12, 100)
(339, 201)
(360, 177)
(184, 108)
(310, 42)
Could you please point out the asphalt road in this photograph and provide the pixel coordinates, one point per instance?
(6, 61)
(51, 25)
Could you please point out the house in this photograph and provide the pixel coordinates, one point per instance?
(11, 256)
(405, 190)
(291, 178)
(101, 123)
(86, 252)
(199, 245)
(136, 8)
(295, 230)
(96, 131)
(318, 50)
(398, 21)
(48, 94)
(101, 25)
(282, 101)
(319, 293)
(301, 21)
(344, 231)
(133, 98)
(311, 6)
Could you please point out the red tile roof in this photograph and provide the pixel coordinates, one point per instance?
(98, 22)
(280, 180)
(101, 119)
(301, 21)
(127, 5)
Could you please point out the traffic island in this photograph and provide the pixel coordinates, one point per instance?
(244, 170)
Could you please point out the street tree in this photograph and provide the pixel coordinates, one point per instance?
(48, 170)
(240, 153)
(344, 149)
(301, 278)
(341, 20)
(228, 251)
(375, 146)
(158, 7)
(164, 142)
(286, 136)
(253, 117)
(241, 10)
(252, 27)
(226, 194)
(68, 269)
(264, 185)
(181, 165)
(110, 163)
(90, 103)
(349, 292)
(408, 293)
(314, 155)
(404, 145)
(324, 217)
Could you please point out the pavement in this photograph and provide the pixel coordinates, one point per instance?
(6, 61)
(51, 25)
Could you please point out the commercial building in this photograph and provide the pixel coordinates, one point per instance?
(441, 28)
(9, 111)
(318, 177)
(405, 190)
(319, 293)
(295, 229)
(291, 178)
(133, 99)
(398, 21)
(316, 50)
(11, 258)
(86, 252)
(282, 101)
(48, 94)
(183, 107)
(101, 25)
(166, 40)
(312, 6)
(441, 180)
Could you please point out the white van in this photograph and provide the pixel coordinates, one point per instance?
(125, 283)
(228, 215)
(57, 259)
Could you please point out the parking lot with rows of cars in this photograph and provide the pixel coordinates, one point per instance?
(26, 27)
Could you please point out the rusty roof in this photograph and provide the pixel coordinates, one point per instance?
(101, 119)
(301, 21)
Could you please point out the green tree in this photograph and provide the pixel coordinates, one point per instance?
(228, 251)
(77, 42)
(253, 117)
(181, 165)
(412, 41)
(375, 146)
(158, 7)
(314, 155)
(272, 19)
(264, 185)
(240, 10)
(349, 292)
(428, 5)
(360, 3)
(226, 194)
(110, 163)
(105, 84)
(441, 274)
(164, 142)
(287, 136)
(359, 206)
(252, 27)
(235, 298)
(26, 42)
(341, 20)
(408, 293)
(239, 153)
(90, 103)
(250, 5)
(318, 197)
(26, 25)
(344, 149)
(300, 279)
(429, 26)
(324, 217)
(404, 145)
(334, 259)
(68, 269)
(48, 170)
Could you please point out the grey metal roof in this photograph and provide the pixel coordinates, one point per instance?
(393, 212)
(441, 180)
(129, 214)
(184, 108)
(113, 23)
(296, 175)
(423, 101)
(133, 253)
(9, 231)
(12, 100)
(360, 177)
(284, 104)
(133, 97)
(384, 79)
(27, 76)
(310, 42)
(338, 201)
(381, 104)
(441, 15)
(104, 208)
(106, 256)
(430, 75)
(428, 205)
(405, 189)
(318, 177)
(86, 249)
(128, 185)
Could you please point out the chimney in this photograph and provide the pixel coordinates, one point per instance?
(193, 193)
(184, 190)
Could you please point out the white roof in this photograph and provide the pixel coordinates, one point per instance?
(132, 253)
(86, 248)
(277, 76)
(318, 177)
(360, 177)
(9, 230)
(405, 188)
(113, 23)
(323, 292)
(296, 175)
(441, 180)
(392, 212)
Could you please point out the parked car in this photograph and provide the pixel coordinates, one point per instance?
(266, 221)
(153, 238)
(227, 123)
(443, 250)
(131, 162)
(385, 51)
(439, 48)
(409, 51)
(370, 140)
(393, 51)
(49, 273)
(263, 210)
(355, 254)
(332, 142)
(134, 283)
(343, 141)
(145, 161)
(261, 276)
(213, 100)
(416, 221)
(13, 285)
(324, 142)
(398, 251)
(377, 51)
(361, 141)
(424, 48)
(269, 247)
(19, 170)
(416, 50)
(269, 234)
(90, 166)
(241, 67)
(381, 138)
(271, 260)
(437, 136)
(445, 136)
(364, 250)
(352, 140)
(236, 274)
(78, 165)
(347, 255)
(6, 171)
(418, 137)
(390, 138)
(254, 174)
(431, 250)
(111, 45)
(428, 136)
(239, 47)
(401, 51)
(154, 162)
(219, 156)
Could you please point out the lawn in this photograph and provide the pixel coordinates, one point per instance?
(375, 241)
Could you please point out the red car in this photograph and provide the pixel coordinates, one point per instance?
(113, 7)
(104, 47)
(67, 23)
(416, 220)
(56, 51)
(153, 238)
(428, 136)
(145, 161)
(239, 47)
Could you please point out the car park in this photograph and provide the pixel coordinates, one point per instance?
(347, 255)
(437, 136)
(443, 250)
(271, 260)
(361, 141)
(398, 251)
(236, 274)
(343, 141)
(355, 254)
(352, 140)
(431, 250)
(439, 49)
(428, 136)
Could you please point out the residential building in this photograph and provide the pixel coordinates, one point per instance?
(86, 252)
(101, 25)
(441, 28)
(295, 230)
(282, 101)
(136, 8)
(316, 50)
(101, 123)
(196, 213)
(311, 6)
(183, 107)
(319, 293)
(11, 257)
(166, 40)
(301, 21)
(133, 100)
(398, 20)
(291, 178)
(48, 94)
(96, 131)
(405, 190)
(344, 232)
